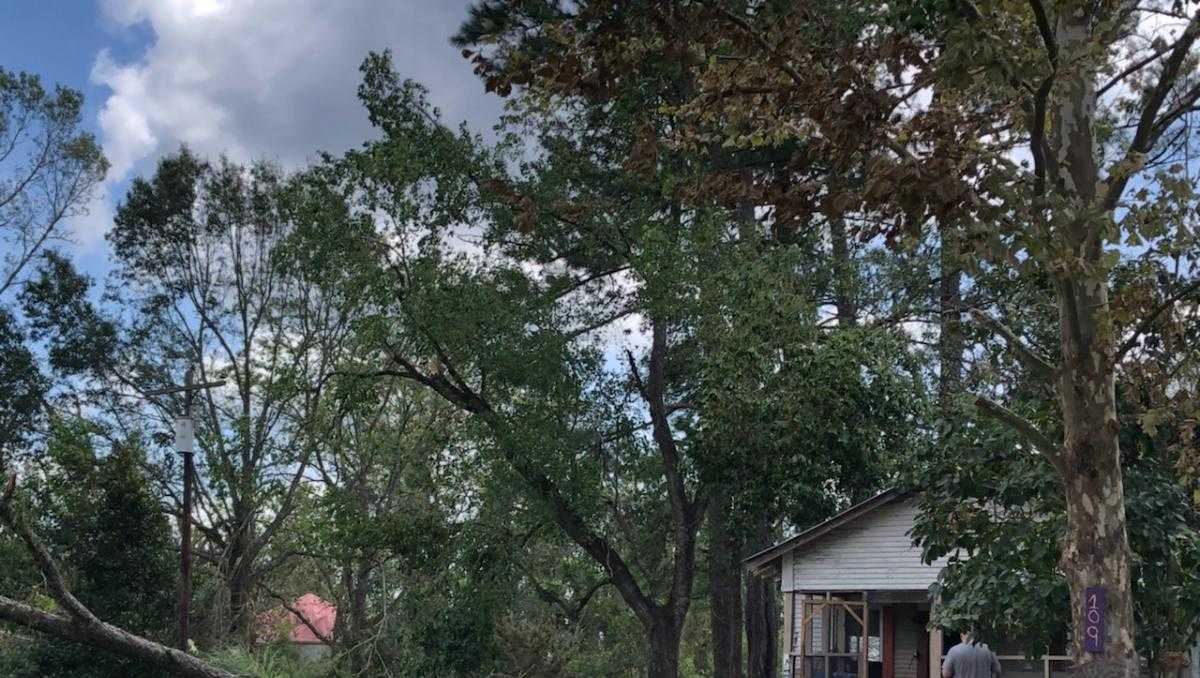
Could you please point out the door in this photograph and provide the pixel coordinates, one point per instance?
(922, 645)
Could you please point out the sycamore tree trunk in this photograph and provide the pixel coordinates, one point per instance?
(725, 588)
(1096, 549)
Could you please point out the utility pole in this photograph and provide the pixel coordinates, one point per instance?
(185, 445)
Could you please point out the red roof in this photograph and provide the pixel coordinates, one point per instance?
(316, 611)
(319, 613)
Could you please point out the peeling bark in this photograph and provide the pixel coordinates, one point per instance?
(1095, 547)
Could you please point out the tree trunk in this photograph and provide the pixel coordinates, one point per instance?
(104, 635)
(725, 586)
(843, 274)
(664, 634)
(1096, 549)
(358, 619)
(762, 618)
(239, 579)
(950, 332)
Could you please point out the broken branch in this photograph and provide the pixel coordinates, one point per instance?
(80, 625)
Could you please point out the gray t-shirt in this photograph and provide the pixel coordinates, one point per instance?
(967, 660)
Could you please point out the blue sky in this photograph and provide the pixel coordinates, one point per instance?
(251, 79)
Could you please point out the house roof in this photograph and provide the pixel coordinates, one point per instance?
(771, 555)
(278, 622)
(319, 613)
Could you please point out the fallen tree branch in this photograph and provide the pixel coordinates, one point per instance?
(79, 624)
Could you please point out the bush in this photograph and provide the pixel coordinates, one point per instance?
(270, 661)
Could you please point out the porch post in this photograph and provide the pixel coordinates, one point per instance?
(935, 646)
(889, 641)
(789, 613)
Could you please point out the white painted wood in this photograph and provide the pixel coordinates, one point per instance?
(787, 583)
(789, 617)
(873, 553)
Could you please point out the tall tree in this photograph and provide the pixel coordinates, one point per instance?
(105, 525)
(202, 273)
(611, 62)
(48, 169)
(1093, 94)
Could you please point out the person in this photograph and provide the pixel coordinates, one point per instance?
(970, 659)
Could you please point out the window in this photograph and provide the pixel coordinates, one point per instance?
(833, 641)
(875, 637)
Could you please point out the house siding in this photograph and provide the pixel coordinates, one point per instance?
(910, 639)
(874, 552)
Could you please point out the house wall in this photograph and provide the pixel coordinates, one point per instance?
(910, 638)
(874, 553)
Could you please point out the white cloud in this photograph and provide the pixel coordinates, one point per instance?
(270, 78)
(88, 229)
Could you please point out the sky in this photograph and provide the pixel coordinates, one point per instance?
(250, 79)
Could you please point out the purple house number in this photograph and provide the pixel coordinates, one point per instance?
(1093, 619)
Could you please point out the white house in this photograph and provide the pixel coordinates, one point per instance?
(860, 569)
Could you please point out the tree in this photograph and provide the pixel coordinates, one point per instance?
(515, 351)
(108, 531)
(48, 169)
(202, 262)
(1095, 94)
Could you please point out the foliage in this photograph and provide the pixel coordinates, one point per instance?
(22, 386)
(105, 526)
(48, 169)
(269, 661)
(995, 510)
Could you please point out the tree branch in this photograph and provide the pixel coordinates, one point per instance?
(1025, 428)
(543, 487)
(1148, 130)
(1024, 353)
(1148, 321)
(80, 625)
(1047, 33)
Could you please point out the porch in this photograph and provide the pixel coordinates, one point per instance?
(882, 634)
